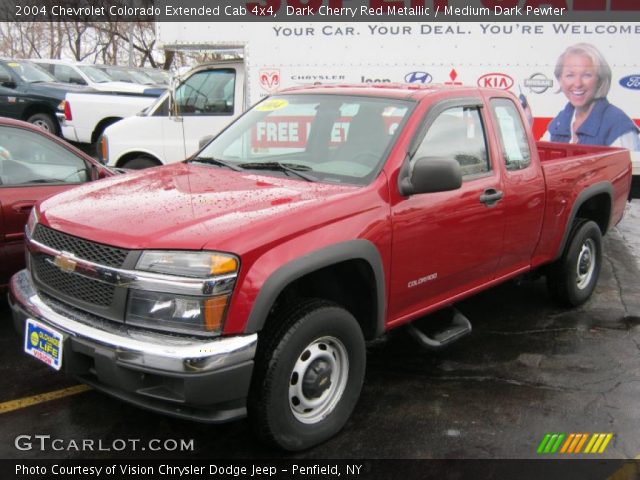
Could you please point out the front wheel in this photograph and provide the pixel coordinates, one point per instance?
(140, 163)
(309, 371)
(572, 279)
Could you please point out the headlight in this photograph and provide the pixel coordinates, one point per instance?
(188, 264)
(32, 222)
(201, 314)
(176, 313)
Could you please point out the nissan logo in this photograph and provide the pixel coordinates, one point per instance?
(418, 77)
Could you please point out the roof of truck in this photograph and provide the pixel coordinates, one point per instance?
(388, 90)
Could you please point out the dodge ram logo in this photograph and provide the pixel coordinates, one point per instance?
(496, 80)
(270, 80)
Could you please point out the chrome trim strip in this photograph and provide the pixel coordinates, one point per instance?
(155, 282)
(132, 347)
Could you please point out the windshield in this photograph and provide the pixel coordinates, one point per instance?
(94, 74)
(158, 76)
(30, 72)
(334, 138)
(140, 77)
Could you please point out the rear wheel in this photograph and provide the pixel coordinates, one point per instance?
(308, 375)
(139, 163)
(45, 121)
(572, 279)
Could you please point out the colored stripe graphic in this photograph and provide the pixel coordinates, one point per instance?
(573, 443)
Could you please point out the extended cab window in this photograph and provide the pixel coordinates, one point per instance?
(513, 136)
(206, 93)
(457, 133)
(32, 159)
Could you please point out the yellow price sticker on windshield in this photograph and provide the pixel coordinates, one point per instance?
(13, 64)
(271, 105)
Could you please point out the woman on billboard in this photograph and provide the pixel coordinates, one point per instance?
(584, 76)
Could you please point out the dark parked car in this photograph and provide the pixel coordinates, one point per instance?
(33, 165)
(29, 93)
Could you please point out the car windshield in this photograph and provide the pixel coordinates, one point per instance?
(94, 74)
(140, 77)
(158, 76)
(30, 72)
(331, 138)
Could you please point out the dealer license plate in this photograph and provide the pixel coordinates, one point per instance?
(44, 343)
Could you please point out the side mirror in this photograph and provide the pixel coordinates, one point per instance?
(6, 80)
(432, 174)
(204, 141)
(77, 80)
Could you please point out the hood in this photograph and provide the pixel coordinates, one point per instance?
(119, 87)
(56, 90)
(190, 206)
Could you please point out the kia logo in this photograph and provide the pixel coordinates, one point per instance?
(632, 82)
(496, 80)
(418, 77)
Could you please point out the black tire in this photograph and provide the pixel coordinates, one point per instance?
(45, 121)
(309, 334)
(139, 163)
(572, 279)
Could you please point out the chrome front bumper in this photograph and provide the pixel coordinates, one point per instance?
(150, 369)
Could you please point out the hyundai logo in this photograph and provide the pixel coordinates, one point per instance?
(418, 77)
(631, 82)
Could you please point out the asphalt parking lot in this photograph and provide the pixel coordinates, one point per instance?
(528, 368)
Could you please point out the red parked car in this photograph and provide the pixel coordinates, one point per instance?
(33, 165)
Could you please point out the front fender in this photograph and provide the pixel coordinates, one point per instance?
(350, 250)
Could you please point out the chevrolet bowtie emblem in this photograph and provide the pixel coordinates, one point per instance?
(65, 262)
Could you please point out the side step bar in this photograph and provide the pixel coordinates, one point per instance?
(440, 329)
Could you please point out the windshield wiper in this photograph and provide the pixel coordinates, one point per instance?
(216, 161)
(284, 167)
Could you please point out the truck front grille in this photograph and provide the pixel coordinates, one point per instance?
(72, 285)
(94, 252)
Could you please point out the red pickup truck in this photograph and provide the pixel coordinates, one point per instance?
(247, 279)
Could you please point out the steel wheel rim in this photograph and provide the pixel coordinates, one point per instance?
(43, 125)
(586, 264)
(326, 350)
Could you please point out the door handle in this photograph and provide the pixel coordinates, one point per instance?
(491, 196)
(23, 207)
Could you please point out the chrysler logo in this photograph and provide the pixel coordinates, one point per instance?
(418, 77)
(65, 262)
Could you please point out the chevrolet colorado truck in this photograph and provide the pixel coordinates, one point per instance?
(246, 279)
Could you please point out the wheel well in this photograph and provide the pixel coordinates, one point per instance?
(598, 209)
(130, 156)
(351, 284)
(104, 123)
(38, 108)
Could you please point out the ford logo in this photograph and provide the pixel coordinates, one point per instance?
(496, 80)
(632, 82)
(418, 77)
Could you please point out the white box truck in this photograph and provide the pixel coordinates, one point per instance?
(516, 57)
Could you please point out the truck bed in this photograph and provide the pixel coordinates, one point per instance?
(569, 170)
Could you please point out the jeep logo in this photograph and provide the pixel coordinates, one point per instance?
(496, 80)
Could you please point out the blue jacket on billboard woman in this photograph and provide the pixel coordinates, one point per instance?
(605, 124)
